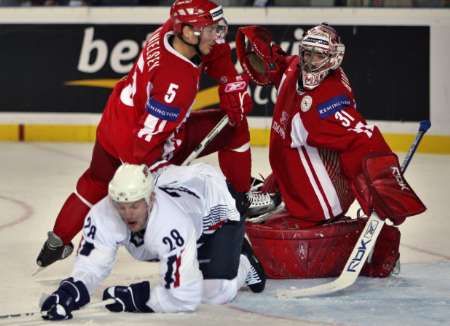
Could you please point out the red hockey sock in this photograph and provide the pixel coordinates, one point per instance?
(70, 219)
(236, 166)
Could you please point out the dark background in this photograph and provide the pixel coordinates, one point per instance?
(388, 67)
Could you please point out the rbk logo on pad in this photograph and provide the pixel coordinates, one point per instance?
(398, 177)
(162, 111)
(333, 105)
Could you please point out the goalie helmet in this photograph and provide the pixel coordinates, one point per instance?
(199, 14)
(321, 50)
(131, 183)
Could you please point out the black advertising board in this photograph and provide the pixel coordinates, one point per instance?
(46, 68)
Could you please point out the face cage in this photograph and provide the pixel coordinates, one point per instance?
(217, 31)
(311, 65)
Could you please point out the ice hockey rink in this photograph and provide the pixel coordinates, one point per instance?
(37, 177)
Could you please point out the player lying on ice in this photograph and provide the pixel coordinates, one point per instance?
(323, 154)
(148, 118)
(165, 219)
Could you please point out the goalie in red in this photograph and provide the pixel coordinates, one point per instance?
(323, 155)
(148, 117)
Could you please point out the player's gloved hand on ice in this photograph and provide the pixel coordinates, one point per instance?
(71, 295)
(235, 100)
(132, 298)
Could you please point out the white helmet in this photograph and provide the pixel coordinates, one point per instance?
(131, 183)
(323, 44)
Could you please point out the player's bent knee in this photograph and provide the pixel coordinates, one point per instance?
(219, 291)
(90, 188)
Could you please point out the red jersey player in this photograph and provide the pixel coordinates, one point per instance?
(319, 143)
(148, 117)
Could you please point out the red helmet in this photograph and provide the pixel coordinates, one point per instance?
(197, 13)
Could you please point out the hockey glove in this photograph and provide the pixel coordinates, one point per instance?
(69, 296)
(131, 298)
(381, 187)
(259, 56)
(235, 99)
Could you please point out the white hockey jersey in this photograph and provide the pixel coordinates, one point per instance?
(189, 201)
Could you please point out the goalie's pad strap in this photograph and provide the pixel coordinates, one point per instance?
(285, 251)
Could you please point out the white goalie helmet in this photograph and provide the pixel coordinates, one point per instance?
(320, 51)
(131, 183)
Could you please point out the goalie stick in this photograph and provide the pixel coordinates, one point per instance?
(363, 246)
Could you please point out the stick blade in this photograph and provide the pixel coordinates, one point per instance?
(319, 290)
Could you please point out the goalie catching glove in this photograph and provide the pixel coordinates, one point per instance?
(381, 187)
(259, 56)
(235, 99)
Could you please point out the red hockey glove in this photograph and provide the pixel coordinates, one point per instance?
(258, 55)
(382, 187)
(235, 99)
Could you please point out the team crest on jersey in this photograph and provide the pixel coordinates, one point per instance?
(306, 103)
(333, 105)
(162, 111)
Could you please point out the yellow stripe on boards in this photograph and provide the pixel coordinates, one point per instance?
(9, 132)
(60, 133)
(435, 144)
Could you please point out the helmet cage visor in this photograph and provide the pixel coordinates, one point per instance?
(314, 59)
(216, 31)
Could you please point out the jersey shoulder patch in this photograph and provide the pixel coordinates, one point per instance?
(333, 105)
(161, 110)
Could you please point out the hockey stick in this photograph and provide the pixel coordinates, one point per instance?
(209, 137)
(89, 307)
(363, 246)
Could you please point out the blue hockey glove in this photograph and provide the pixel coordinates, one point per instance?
(69, 296)
(131, 298)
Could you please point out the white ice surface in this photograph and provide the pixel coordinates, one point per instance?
(35, 178)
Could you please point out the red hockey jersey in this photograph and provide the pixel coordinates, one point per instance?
(142, 121)
(317, 142)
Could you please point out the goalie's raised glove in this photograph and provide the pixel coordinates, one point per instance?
(71, 295)
(381, 187)
(261, 58)
(132, 298)
(235, 99)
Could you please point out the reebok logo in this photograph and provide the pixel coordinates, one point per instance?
(235, 86)
(360, 255)
(398, 177)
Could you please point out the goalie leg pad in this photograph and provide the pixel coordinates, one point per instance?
(286, 250)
